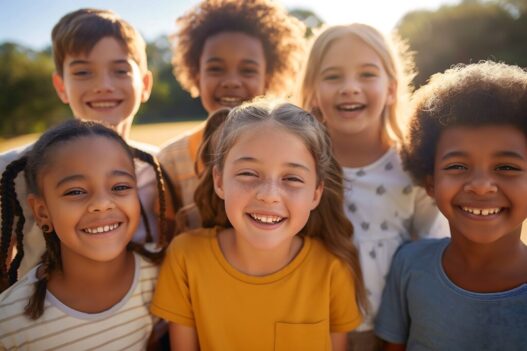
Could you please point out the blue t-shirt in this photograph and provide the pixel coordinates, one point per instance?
(423, 309)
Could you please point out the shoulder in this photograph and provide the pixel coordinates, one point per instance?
(415, 253)
(324, 259)
(14, 299)
(13, 154)
(148, 148)
(182, 142)
(193, 241)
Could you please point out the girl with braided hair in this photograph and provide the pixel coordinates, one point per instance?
(93, 285)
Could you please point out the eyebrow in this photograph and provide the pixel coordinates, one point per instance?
(219, 59)
(504, 153)
(365, 65)
(288, 164)
(77, 177)
(86, 62)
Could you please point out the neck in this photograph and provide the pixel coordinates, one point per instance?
(487, 267)
(92, 286)
(123, 129)
(360, 149)
(254, 261)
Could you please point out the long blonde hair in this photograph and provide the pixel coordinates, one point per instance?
(397, 61)
(327, 222)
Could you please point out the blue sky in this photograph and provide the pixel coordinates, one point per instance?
(29, 22)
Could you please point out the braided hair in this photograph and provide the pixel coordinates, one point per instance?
(32, 164)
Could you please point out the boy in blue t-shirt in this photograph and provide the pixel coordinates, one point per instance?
(468, 147)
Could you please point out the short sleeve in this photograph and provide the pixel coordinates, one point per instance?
(344, 311)
(172, 295)
(428, 222)
(392, 321)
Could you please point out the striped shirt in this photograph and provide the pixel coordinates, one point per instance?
(125, 326)
(178, 158)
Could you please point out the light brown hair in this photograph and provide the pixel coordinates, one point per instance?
(79, 31)
(327, 222)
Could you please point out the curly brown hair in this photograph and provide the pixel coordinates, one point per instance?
(282, 38)
(484, 93)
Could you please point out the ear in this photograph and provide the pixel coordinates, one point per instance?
(218, 182)
(317, 196)
(40, 210)
(58, 83)
(392, 92)
(429, 186)
(148, 82)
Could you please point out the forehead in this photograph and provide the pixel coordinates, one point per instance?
(107, 49)
(267, 142)
(88, 154)
(482, 141)
(233, 45)
(350, 50)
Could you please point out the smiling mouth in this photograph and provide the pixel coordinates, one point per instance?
(103, 104)
(266, 219)
(230, 101)
(102, 229)
(482, 211)
(351, 107)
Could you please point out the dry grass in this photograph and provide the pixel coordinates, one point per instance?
(155, 134)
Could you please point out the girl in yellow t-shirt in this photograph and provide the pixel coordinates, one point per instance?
(274, 267)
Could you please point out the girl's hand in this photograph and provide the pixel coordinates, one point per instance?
(182, 338)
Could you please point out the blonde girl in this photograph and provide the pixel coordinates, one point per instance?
(357, 82)
(91, 289)
(275, 267)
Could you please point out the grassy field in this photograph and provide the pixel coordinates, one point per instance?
(155, 134)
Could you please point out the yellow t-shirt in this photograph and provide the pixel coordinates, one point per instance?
(295, 308)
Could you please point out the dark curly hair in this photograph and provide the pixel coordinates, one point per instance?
(484, 93)
(282, 38)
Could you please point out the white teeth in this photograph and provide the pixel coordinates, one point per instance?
(350, 107)
(482, 211)
(103, 104)
(266, 219)
(230, 100)
(102, 229)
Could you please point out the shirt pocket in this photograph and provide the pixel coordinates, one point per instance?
(302, 336)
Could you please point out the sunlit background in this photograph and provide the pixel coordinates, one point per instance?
(29, 22)
(440, 32)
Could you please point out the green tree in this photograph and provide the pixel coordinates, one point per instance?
(471, 31)
(28, 102)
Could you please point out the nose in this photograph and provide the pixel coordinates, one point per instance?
(481, 183)
(103, 83)
(350, 86)
(101, 202)
(268, 192)
(231, 81)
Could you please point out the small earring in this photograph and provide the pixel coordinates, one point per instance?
(45, 228)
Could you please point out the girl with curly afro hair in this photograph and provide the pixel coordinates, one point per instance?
(227, 52)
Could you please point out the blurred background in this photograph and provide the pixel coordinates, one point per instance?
(440, 32)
